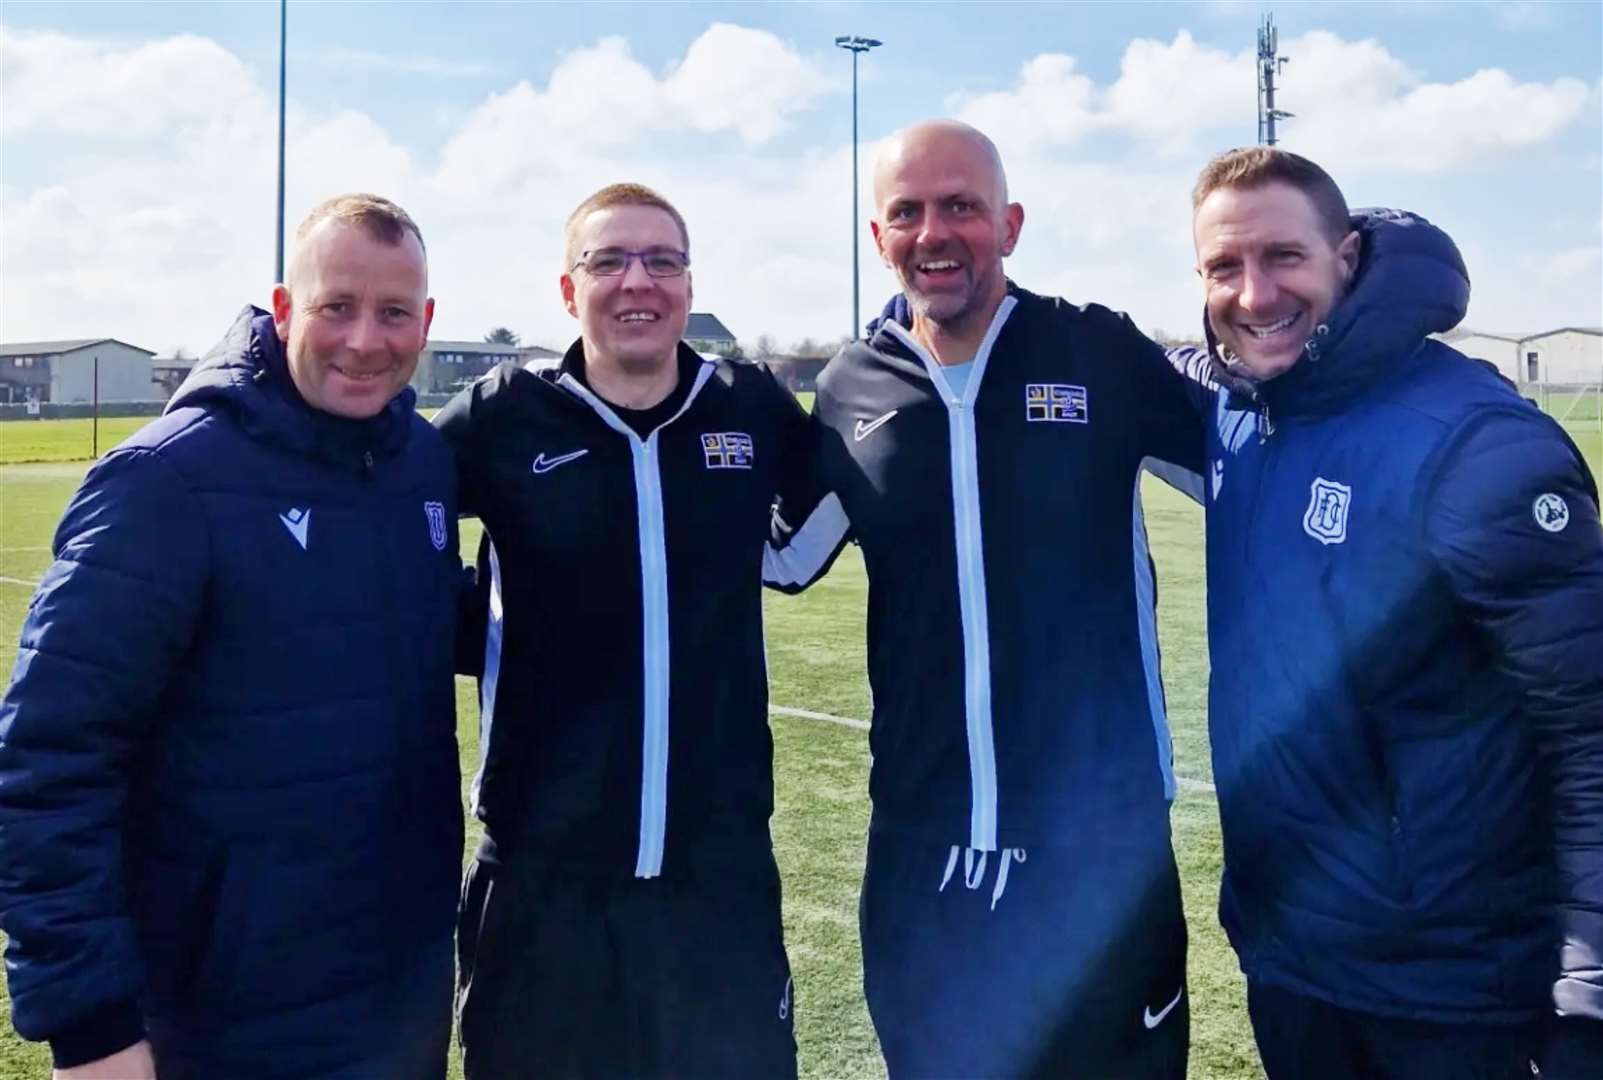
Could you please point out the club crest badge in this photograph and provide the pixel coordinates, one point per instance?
(1551, 512)
(1055, 403)
(728, 450)
(1328, 505)
(435, 512)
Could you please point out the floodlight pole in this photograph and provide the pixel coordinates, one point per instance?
(856, 45)
(283, 21)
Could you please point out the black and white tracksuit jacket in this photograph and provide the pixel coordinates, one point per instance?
(624, 699)
(1012, 643)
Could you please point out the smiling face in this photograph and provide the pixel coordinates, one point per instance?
(630, 321)
(353, 316)
(1271, 272)
(943, 223)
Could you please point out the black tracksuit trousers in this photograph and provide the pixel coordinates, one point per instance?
(564, 974)
(1048, 962)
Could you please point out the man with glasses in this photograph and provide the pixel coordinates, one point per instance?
(622, 917)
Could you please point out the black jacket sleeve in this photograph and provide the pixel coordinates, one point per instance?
(456, 422)
(1511, 519)
(109, 624)
(1170, 413)
(809, 525)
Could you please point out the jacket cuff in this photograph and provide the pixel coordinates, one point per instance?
(102, 1033)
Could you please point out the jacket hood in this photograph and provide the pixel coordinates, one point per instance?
(1411, 282)
(247, 374)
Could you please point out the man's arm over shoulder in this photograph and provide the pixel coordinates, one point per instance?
(1171, 402)
(460, 422)
(809, 527)
(109, 623)
(1511, 518)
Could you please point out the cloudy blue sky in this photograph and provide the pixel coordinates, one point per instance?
(137, 145)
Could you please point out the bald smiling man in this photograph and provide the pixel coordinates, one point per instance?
(1021, 909)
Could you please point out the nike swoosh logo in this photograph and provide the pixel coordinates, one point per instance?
(297, 521)
(1152, 1020)
(543, 464)
(863, 431)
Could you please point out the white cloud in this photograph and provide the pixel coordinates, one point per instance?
(163, 228)
(1358, 107)
(84, 86)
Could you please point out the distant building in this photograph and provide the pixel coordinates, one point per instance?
(169, 372)
(446, 366)
(1568, 355)
(69, 372)
(706, 334)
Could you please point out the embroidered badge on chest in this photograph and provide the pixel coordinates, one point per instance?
(1059, 403)
(728, 450)
(1328, 504)
(435, 512)
(1551, 512)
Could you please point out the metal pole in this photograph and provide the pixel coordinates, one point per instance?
(283, 22)
(94, 413)
(857, 291)
(856, 45)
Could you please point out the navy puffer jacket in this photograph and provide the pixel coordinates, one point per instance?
(229, 795)
(1405, 621)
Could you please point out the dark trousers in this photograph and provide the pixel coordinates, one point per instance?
(564, 975)
(1050, 962)
(1302, 1038)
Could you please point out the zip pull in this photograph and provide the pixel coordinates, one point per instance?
(1267, 428)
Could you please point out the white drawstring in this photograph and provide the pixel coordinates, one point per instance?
(971, 876)
(1008, 855)
(974, 871)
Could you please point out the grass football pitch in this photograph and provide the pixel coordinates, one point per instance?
(815, 651)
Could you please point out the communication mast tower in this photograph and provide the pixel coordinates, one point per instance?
(1270, 63)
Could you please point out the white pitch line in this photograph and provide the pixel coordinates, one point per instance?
(805, 714)
(16, 581)
(863, 725)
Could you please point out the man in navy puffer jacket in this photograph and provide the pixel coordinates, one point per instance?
(1405, 617)
(230, 822)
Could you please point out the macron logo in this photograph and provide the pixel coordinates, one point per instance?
(296, 522)
(543, 464)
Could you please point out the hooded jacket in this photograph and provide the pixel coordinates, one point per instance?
(228, 745)
(1405, 618)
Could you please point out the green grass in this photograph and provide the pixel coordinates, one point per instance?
(815, 650)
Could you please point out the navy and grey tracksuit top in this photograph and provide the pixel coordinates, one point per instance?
(625, 693)
(1405, 614)
(1012, 646)
(229, 795)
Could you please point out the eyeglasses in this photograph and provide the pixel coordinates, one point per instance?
(610, 262)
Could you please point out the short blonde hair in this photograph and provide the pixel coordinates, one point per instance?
(383, 220)
(617, 195)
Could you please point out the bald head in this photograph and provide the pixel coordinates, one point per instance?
(940, 139)
(943, 223)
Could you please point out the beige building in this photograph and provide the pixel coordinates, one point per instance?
(1570, 355)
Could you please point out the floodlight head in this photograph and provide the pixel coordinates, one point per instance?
(857, 44)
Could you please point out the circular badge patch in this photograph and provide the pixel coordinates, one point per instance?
(1551, 512)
